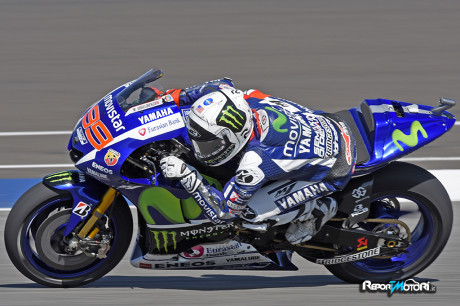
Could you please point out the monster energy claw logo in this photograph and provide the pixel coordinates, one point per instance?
(412, 139)
(164, 235)
(232, 118)
(59, 177)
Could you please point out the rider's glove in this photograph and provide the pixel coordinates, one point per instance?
(175, 168)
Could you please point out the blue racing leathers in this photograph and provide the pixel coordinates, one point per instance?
(289, 142)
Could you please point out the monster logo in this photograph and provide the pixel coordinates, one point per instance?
(59, 177)
(412, 139)
(164, 235)
(232, 118)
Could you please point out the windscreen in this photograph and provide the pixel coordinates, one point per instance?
(138, 92)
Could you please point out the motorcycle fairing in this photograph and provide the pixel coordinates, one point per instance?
(169, 124)
(105, 135)
(227, 254)
(388, 129)
(84, 189)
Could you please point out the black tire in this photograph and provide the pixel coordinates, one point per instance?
(415, 183)
(41, 207)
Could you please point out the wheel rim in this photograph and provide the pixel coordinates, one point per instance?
(417, 216)
(51, 248)
(46, 264)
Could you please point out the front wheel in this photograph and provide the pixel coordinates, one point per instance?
(37, 247)
(412, 195)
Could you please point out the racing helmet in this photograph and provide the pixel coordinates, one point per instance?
(219, 126)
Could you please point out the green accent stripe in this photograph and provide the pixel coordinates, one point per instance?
(162, 201)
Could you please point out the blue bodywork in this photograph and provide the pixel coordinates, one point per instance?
(399, 128)
(108, 134)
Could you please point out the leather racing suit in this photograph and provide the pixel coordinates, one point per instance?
(289, 142)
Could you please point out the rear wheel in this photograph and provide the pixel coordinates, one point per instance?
(35, 242)
(412, 195)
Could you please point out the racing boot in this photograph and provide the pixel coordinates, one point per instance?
(306, 226)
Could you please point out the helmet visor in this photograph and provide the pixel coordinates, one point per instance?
(208, 148)
(213, 151)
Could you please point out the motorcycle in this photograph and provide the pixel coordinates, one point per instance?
(393, 218)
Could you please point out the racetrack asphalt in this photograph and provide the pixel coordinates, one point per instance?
(58, 57)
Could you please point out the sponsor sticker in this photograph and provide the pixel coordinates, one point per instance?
(358, 210)
(111, 157)
(155, 115)
(185, 112)
(208, 101)
(232, 118)
(362, 244)
(175, 264)
(145, 265)
(300, 196)
(244, 258)
(96, 174)
(359, 192)
(410, 140)
(82, 209)
(81, 136)
(195, 252)
(347, 138)
(348, 258)
(151, 104)
(101, 168)
(113, 113)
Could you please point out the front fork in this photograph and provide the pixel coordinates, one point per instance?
(97, 214)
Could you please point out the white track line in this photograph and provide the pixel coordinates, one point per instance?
(45, 133)
(39, 133)
(430, 159)
(36, 166)
(408, 159)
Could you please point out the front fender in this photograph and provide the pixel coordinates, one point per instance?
(86, 193)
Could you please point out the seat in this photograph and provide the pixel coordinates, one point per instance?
(362, 127)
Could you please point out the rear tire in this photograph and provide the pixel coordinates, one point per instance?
(41, 213)
(428, 240)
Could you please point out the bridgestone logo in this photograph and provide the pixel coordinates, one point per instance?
(348, 258)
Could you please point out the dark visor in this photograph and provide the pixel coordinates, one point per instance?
(208, 147)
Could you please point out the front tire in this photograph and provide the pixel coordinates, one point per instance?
(432, 220)
(34, 239)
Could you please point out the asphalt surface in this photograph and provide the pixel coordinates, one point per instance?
(57, 57)
(311, 285)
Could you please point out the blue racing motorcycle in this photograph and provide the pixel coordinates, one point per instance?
(393, 221)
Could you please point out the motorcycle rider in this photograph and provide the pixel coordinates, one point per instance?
(269, 139)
